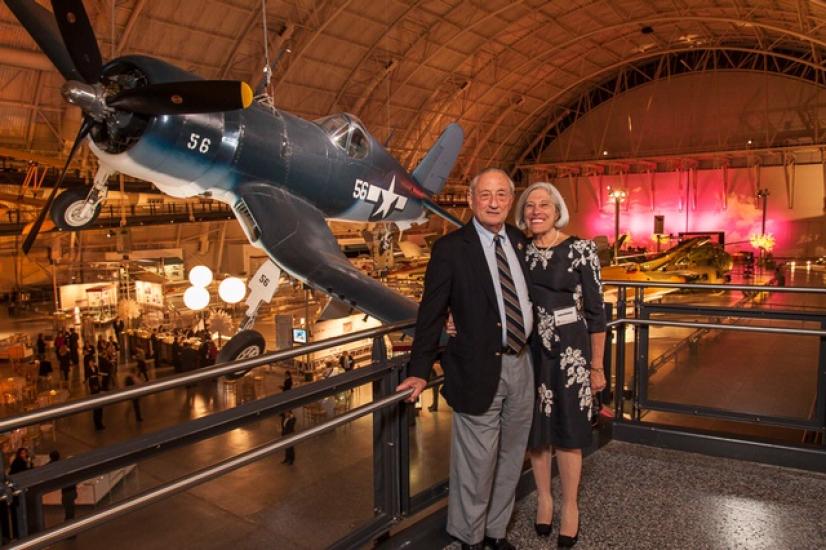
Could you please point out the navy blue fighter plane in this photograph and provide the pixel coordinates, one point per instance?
(281, 175)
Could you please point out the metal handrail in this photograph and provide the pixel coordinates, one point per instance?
(184, 483)
(65, 409)
(700, 286)
(745, 328)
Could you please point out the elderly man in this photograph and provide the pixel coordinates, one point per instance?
(477, 275)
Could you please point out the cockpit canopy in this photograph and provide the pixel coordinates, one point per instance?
(347, 133)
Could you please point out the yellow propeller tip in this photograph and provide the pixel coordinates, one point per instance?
(246, 95)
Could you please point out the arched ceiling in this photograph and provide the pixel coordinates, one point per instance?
(503, 69)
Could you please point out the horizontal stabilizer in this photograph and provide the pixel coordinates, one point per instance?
(435, 167)
(296, 237)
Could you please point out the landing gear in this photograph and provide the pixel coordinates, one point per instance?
(70, 210)
(244, 345)
(78, 207)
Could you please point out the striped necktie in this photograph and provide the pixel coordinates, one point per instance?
(514, 321)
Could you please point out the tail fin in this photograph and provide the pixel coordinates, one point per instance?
(435, 167)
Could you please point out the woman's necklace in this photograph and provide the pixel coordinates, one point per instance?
(556, 238)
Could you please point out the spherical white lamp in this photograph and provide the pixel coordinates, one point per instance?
(196, 298)
(200, 276)
(232, 290)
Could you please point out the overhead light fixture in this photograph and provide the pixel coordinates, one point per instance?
(196, 298)
(200, 276)
(232, 290)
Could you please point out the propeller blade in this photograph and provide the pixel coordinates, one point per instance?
(81, 135)
(41, 26)
(79, 37)
(182, 98)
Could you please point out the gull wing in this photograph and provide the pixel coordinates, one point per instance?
(295, 235)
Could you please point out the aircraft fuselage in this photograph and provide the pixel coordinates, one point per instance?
(218, 153)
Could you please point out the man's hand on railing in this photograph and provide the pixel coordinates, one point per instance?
(416, 384)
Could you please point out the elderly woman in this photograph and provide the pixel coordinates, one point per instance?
(567, 348)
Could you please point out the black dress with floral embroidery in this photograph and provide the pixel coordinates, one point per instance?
(564, 279)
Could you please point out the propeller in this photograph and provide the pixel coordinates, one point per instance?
(41, 25)
(85, 127)
(177, 98)
(68, 40)
(79, 38)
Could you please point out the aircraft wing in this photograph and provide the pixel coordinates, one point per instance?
(296, 237)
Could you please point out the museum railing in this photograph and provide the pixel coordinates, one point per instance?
(695, 406)
(392, 498)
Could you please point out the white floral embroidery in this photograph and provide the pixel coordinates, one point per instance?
(587, 251)
(578, 299)
(533, 254)
(546, 327)
(546, 399)
(573, 363)
(585, 397)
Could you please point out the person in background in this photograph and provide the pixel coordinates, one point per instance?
(140, 360)
(64, 359)
(22, 461)
(346, 361)
(68, 494)
(41, 347)
(154, 345)
(177, 354)
(117, 326)
(288, 382)
(88, 355)
(288, 427)
(73, 341)
(94, 378)
(131, 379)
(59, 340)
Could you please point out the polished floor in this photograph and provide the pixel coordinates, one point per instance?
(644, 498)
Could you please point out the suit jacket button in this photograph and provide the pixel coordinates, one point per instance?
(498, 354)
(498, 325)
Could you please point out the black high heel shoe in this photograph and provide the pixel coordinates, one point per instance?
(564, 541)
(543, 529)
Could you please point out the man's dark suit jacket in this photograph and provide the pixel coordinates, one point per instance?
(458, 280)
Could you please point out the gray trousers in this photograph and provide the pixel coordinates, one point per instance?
(487, 453)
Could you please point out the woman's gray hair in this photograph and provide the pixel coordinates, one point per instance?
(562, 217)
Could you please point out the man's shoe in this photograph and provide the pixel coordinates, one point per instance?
(498, 544)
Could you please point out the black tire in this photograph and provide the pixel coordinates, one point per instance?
(244, 345)
(68, 203)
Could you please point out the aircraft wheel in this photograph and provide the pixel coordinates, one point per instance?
(67, 210)
(244, 345)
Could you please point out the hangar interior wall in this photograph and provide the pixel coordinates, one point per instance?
(798, 231)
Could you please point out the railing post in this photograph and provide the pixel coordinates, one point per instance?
(18, 507)
(639, 294)
(619, 391)
(386, 440)
(820, 398)
(608, 361)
